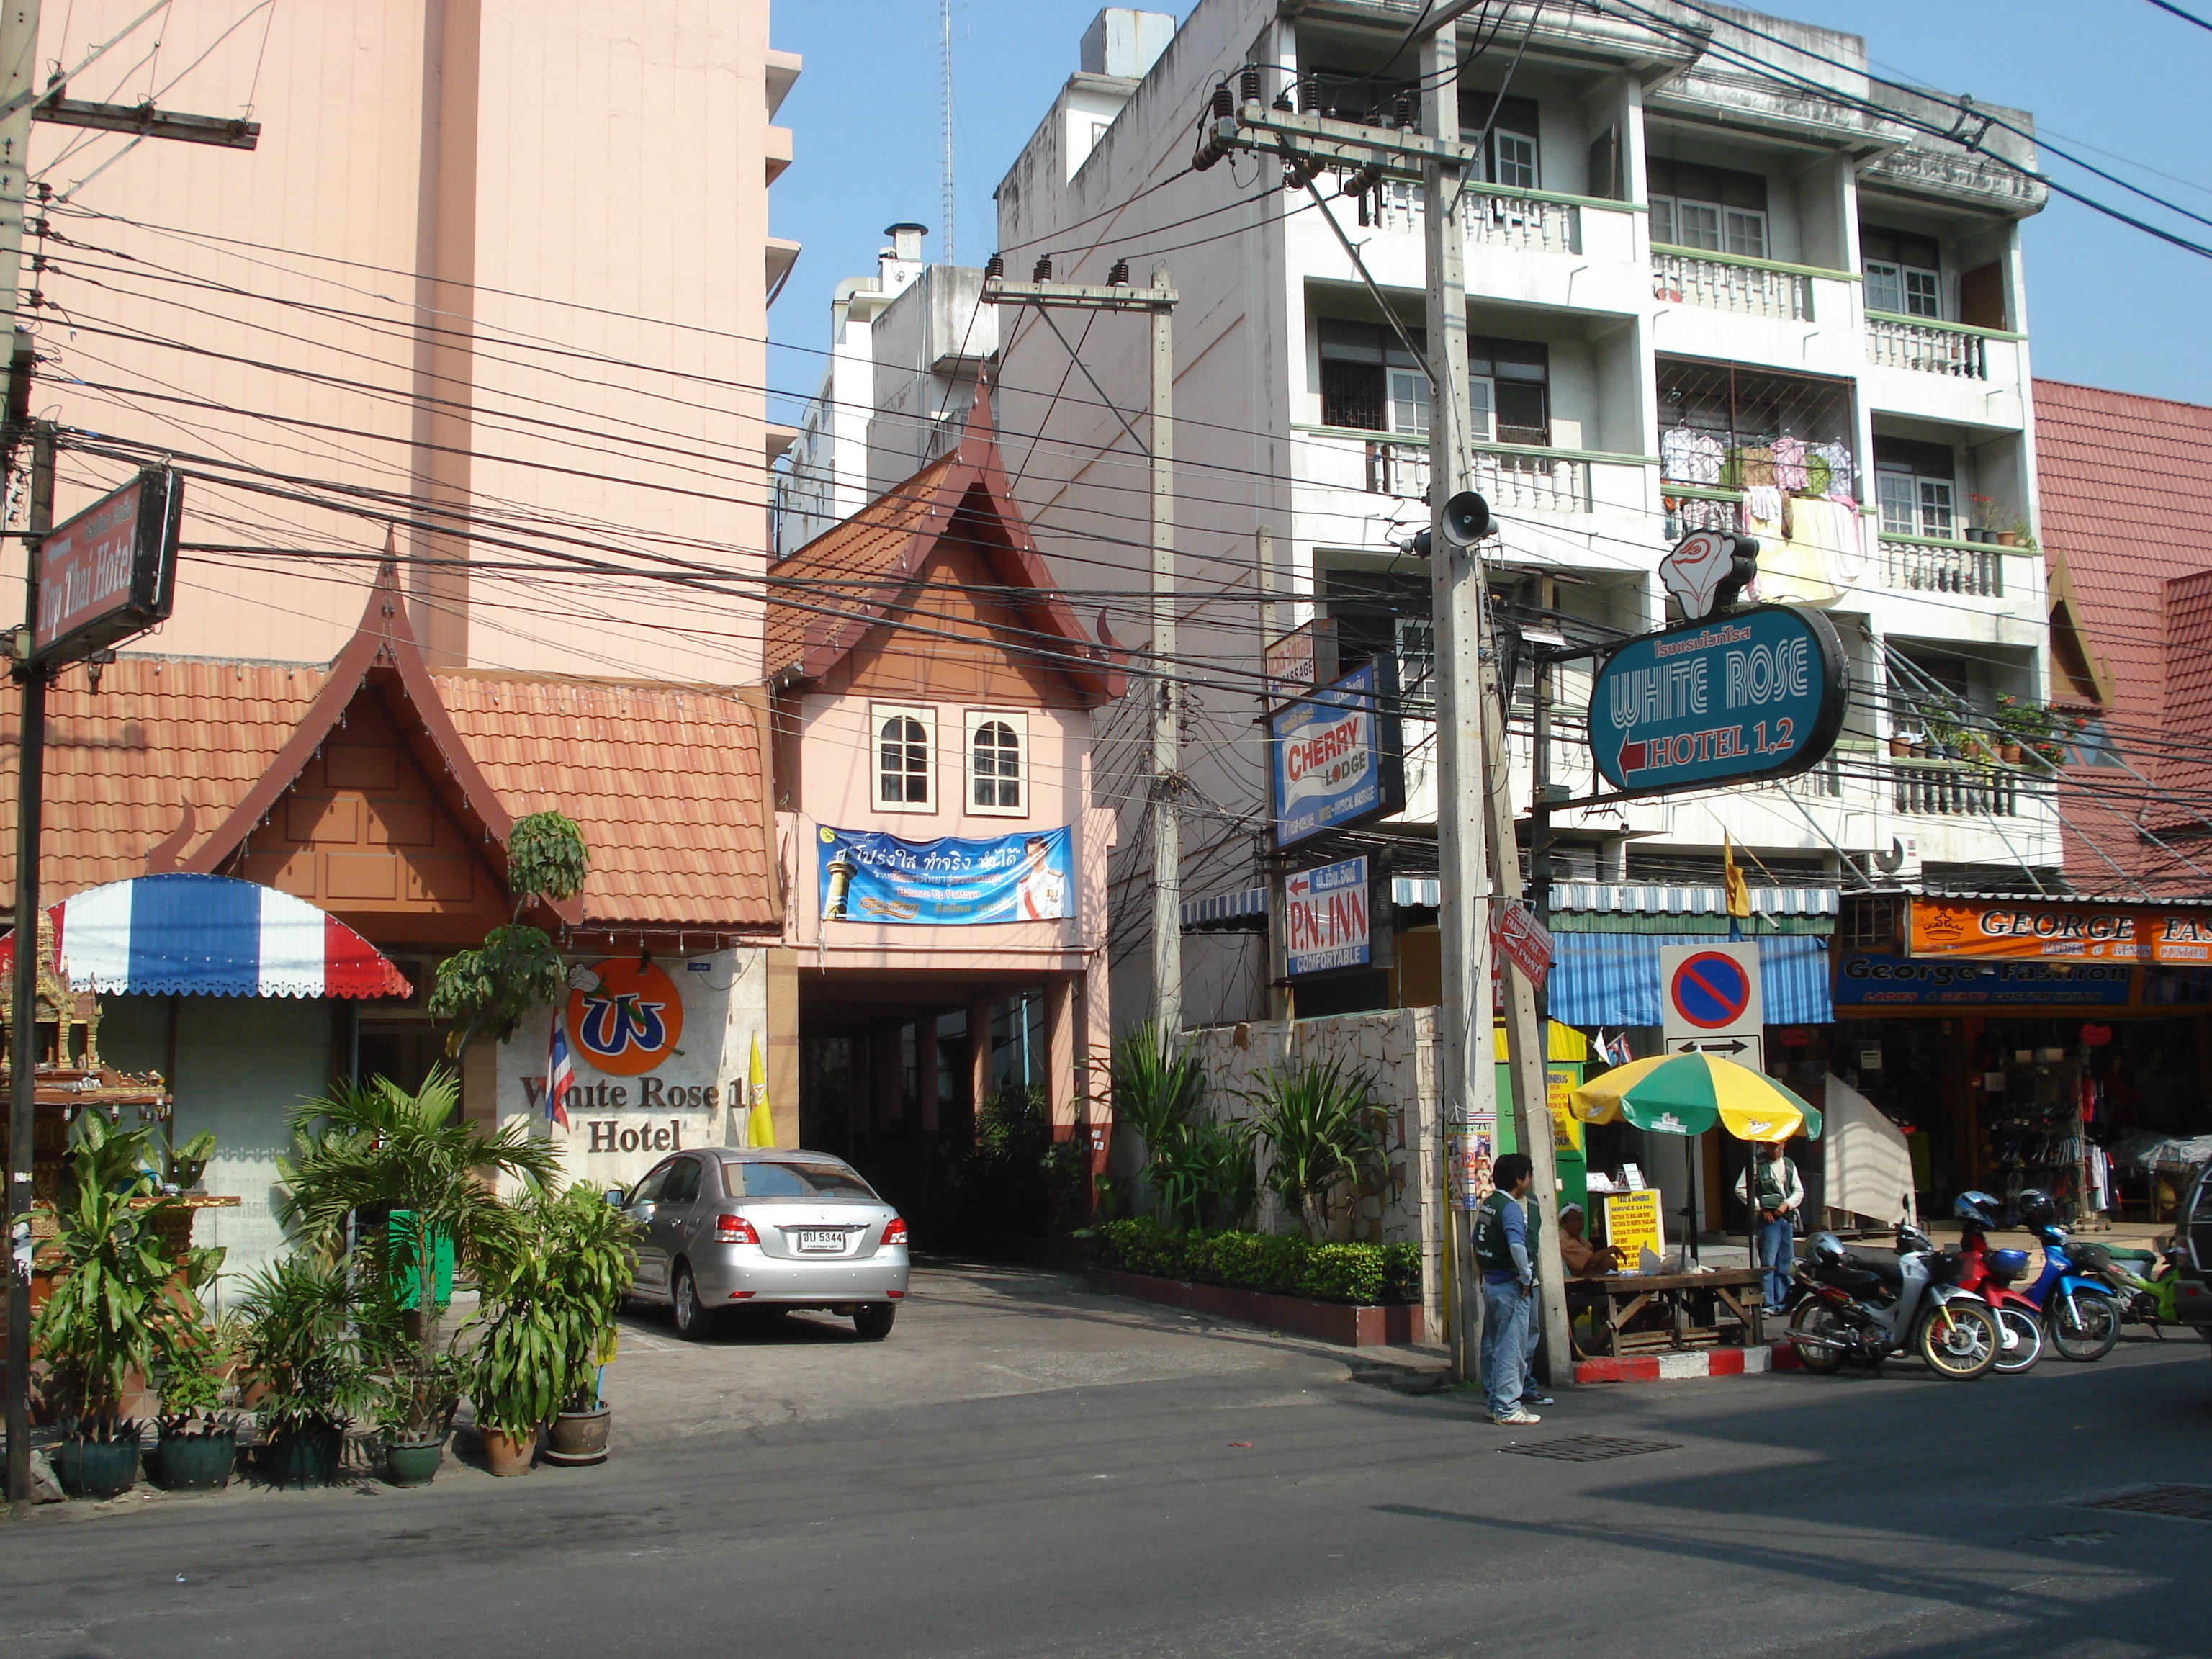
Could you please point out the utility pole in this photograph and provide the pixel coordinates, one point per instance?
(1159, 301)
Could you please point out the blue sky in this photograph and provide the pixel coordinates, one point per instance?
(2108, 306)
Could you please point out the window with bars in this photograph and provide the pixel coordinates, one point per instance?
(1903, 272)
(1715, 209)
(903, 739)
(995, 742)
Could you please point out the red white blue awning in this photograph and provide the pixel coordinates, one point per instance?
(210, 936)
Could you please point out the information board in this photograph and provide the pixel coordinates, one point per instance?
(1335, 758)
(1633, 1224)
(111, 571)
(1326, 917)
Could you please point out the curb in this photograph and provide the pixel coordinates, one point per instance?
(1691, 1362)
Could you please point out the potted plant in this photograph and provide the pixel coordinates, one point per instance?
(551, 1288)
(123, 1307)
(377, 1148)
(1902, 742)
(188, 1163)
(196, 1449)
(1983, 510)
(2023, 724)
(312, 1370)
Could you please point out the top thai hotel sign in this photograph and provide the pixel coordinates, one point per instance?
(111, 571)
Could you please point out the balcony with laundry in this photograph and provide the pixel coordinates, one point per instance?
(1771, 455)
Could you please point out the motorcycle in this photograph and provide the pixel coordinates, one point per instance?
(1991, 1275)
(2080, 1313)
(2145, 1281)
(1868, 1308)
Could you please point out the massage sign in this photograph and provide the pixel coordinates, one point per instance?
(1336, 756)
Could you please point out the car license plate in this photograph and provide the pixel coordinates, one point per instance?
(823, 1240)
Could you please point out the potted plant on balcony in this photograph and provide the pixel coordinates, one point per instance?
(123, 1307)
(1981, 510)
(2023, 724)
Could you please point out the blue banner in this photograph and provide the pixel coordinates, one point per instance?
(1746, 694)
(1865, 979)
(1336, 756)
(868, 876)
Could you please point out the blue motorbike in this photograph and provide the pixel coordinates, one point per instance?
(2079, 1310)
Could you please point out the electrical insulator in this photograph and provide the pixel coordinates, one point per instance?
(1119, 275)
(1406, 109)
(1247, 85)
(995, 268)
(1043, 272)
(1282, 101)
(1308, 93)
(1223, 105)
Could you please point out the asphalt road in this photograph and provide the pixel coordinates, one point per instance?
(1254, 1496)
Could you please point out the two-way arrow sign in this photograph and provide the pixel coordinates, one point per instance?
(1714, 1046)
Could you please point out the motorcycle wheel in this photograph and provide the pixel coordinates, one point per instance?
(2027, 1333)
(2094, 1335)
(1816, 1318)
(1958, 1340)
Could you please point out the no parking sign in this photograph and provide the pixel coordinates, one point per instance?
(1710, 996)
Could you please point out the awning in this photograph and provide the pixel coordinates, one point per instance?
(1244, 910)
(210, 936)
(1612, 979)
(1610, 898)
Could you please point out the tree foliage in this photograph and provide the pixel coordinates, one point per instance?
(489, 991)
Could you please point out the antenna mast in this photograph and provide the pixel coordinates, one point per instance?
(945, 103)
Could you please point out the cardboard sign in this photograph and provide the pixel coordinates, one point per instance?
(1632, 1225)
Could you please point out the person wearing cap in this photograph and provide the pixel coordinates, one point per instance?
(1775, 1188)
(1583, 1259)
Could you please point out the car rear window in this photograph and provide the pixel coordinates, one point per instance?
(761, 1178)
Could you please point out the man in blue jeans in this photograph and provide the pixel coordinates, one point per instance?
(1774, 1188)
(1503, 1252)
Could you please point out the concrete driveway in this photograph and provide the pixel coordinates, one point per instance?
(967, 1332)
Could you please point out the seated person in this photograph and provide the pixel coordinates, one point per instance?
(1583, 1259)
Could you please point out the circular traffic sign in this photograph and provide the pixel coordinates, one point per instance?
(1710, 990)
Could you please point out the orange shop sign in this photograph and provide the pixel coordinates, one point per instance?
(2045, 931)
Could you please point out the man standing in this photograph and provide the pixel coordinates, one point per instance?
(1504, 1251)
(1774, 1189)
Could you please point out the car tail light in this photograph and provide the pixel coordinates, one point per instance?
(734, 1230)
(895, 1232)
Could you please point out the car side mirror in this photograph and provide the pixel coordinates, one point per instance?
(614, 1196)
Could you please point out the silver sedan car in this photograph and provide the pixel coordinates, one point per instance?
(728, 1227)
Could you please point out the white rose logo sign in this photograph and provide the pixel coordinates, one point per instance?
(1336, 756)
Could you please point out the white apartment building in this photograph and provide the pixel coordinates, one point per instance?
(1699, 291)
(906, 348)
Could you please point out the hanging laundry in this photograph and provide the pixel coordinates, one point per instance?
(1791, 473)
(1752, 465)
(1689, 456)
(1821, 558)
(1840, 477)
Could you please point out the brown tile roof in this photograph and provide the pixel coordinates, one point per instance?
(666, 783)
(866, 544)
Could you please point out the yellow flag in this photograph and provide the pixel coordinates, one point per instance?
(759, 1122)
(1739, 895)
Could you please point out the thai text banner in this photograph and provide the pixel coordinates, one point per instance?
(2061, 930)
(868, 876)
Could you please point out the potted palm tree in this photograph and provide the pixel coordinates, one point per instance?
(311, 1369)
(377, 1147)
(124, 1307)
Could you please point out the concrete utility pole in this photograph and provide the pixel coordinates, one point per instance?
(1167, 709)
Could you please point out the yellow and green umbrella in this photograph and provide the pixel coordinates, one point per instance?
(1688, 1094)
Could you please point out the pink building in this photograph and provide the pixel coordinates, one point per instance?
(497, 272)
(947, 862)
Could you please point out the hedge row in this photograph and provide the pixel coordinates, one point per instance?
(1363, 1275)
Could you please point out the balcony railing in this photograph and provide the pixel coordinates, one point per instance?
(1509, 479)
(1922, 564)
(1727, 281)
(1929, 346)
(1500, 215)
(1947, 788)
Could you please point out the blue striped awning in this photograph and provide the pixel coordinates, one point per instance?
(1612, 979)
(1636, 900)
(1225, 910)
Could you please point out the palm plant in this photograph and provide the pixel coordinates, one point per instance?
(123, 1304)
(301, 1344)
(1157, 1089)
(1322, 1128)
(377, 1146)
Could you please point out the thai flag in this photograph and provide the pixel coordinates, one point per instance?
(560, 1075)
(1615, 1049)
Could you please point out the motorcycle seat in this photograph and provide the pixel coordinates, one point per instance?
(1885, 1270)
(2146, 1258)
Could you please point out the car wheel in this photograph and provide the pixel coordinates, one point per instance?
(872, 1320)
(683, 1299)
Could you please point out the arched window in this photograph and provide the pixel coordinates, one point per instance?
(994, 772)
(901, 757)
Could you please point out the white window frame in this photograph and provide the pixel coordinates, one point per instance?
(1018, 721)
(1481, 408)
(926, 716)
(1501, 159)
(1730, 230)
(1405, 388)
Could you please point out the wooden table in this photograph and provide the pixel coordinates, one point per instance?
(1694, 1305)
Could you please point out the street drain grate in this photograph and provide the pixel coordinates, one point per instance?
(1590, 1448)
(2184, 1503)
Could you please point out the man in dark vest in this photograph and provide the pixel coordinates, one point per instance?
(1505, 1252)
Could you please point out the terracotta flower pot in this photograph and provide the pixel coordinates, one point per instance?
(2008, 538)
(1899, 749)
(2009, 753)
(506, 1454)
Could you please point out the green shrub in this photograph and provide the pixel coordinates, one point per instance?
(1361, 1273)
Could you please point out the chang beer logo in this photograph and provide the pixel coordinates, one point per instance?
(624, 1016)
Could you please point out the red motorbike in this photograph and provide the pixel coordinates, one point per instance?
(1991, 1274)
